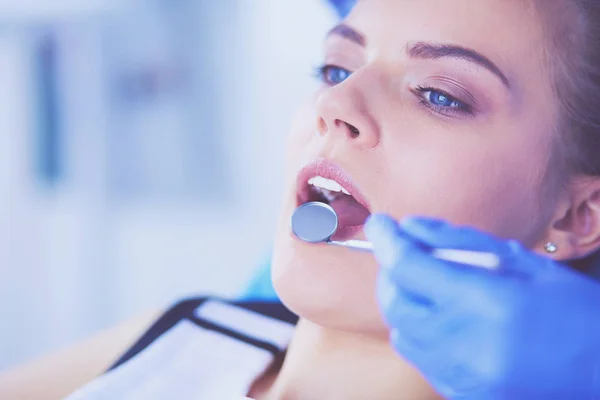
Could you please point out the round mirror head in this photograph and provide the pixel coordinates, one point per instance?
(314, 222)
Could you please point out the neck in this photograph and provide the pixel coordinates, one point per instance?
(323, 363)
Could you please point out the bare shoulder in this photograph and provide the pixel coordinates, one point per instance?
(57, 375)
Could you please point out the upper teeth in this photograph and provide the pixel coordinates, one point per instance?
(328, 184)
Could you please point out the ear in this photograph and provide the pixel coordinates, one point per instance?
(576, 226)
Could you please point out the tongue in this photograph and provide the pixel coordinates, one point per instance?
(349, 211)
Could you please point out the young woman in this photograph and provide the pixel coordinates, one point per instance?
(483, 116)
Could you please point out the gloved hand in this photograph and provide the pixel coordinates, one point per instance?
(529, 330)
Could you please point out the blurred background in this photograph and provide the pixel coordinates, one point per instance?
(140, 154)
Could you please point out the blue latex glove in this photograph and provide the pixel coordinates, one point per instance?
(530, 330)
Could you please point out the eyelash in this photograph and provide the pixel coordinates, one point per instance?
(321, 72)
(461, 108)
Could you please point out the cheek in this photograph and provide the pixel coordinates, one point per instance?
(495, 188)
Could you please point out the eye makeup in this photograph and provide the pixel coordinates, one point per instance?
(441, 102)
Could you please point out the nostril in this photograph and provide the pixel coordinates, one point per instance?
(323, 127)
(353, 130)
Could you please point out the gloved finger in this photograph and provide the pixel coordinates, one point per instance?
(404, 345)
(415, 270)
(436, 233)
(440, 234)
(427, 345)
(400, 307)
(421, 322)
(451, 378)
(430, 343)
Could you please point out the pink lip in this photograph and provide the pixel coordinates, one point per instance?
(329, 170)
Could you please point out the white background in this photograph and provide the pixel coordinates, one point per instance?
(87, 251)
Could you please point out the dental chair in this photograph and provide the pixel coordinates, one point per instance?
(260, 287)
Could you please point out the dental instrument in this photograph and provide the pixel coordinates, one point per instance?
(317, 222)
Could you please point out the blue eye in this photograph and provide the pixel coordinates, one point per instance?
(441, 99)
(442, 102)
(332, 74)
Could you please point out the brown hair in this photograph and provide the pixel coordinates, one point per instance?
(574, 63)
(573, 59)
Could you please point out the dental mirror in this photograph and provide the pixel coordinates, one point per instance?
(317, 222)
(314, 222)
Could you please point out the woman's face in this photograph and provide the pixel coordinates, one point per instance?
(428, 107)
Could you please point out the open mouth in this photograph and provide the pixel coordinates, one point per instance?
(325, 182)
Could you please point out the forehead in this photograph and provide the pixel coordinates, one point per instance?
(506, 31)
(467, 13)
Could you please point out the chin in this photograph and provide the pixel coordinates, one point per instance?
(332, 287)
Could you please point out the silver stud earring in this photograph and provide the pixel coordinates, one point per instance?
(551, 247)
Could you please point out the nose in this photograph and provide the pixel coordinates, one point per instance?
(342, 110)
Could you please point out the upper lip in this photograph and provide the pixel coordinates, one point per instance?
(327, 169)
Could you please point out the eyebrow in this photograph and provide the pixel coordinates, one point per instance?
(428, 51)
(432, 51)
(348, 33)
